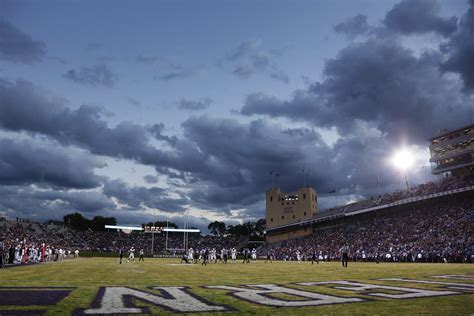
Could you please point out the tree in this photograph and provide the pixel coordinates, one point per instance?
(260, 227)
(162, 224)
(250, 229)
(238, 230)
(217, 228)
(76, 221)
(98, 222)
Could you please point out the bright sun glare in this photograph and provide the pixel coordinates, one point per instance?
(402, 159)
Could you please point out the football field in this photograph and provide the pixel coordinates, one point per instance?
(163, 286)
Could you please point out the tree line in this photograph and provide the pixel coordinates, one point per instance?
(79, 222)
(251, 229)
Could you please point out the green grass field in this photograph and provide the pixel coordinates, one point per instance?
(87, 275)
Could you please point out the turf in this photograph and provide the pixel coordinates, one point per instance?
(87, 275)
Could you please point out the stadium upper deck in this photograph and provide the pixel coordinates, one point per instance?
(452, 152)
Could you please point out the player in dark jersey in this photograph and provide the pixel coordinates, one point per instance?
(314, 258)
(206, 257)
(120, 255)
(269, 256)
(246, 254)
(225, 255)
(184, 258)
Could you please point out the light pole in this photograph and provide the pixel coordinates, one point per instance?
(403, 160)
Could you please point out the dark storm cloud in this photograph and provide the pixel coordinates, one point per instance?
(225, 164)
(26, 108)
(97, 75)
(27, 162)
(17, 46)
(194, 105)
(136, 197)
(157, 131)
(460, 49)
(353, 26)
(419, 16)
(249, 59)
(378, 82)
(29, 202)
(236, 176)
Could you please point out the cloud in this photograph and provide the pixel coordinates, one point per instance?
(235, 177)
(25, 107)
(194, 105)
(44, 204)
(157, 131)
(418, 17)
(150, 179)
(98, 75)
(248, 59)
(148, 59)
(354, 26)
(134, 102)
(35, 162)
(217, 174)
(58, 60)
(460, 50)
(17, 46)
(137, 197)
(377, 82)
(178, 75)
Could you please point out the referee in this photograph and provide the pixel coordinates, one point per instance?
(344, 255)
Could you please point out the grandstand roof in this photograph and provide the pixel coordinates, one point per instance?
(447, 132)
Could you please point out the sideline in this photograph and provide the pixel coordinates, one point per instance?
(17, 265)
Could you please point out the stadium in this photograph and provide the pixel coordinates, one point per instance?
(206, 157)
(412, 244)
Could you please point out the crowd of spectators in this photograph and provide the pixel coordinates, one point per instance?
(440, 233)
(21, 244)
(26, 242)
(443, 232)
(443, 185)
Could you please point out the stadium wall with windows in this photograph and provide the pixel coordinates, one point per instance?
(452, 152)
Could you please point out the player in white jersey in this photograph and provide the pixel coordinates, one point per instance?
(298, 256)
(131, 255)
(190, 255)
(254, 255)
(234, 254)
(213, 255)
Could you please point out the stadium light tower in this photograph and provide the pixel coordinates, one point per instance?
(403, 160)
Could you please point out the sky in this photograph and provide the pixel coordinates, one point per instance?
(158, 110)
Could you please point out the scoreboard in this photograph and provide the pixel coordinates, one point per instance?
(152, 229)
